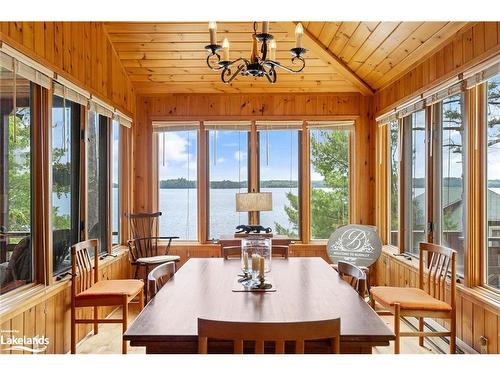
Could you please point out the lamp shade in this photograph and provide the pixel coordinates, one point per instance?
(246, 202)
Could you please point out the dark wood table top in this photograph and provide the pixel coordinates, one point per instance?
(307, 289)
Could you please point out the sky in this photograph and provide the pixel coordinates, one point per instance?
(228, 154)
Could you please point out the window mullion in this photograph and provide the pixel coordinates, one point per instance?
(305, 180)
(202, 196)
(253, 169)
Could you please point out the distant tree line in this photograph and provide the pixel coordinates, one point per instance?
(452, 182)
(182, 183)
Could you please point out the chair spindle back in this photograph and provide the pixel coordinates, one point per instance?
(434, 271)
(143, 225)
(159, 276)
(356, 276)
(261, 332)
(84, 275)
(143, 247)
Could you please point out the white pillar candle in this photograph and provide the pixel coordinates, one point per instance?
(255, 262)
(272, 50)
(212, 28)
(225, 50)
(261, 267)
(265, 27)
(245, 261)
(299, 34)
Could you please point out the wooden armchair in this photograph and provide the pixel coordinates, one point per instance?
(88, 291)
(428, 300)
(145, 251)
(355, 276)
(159, 276)
(260, 332)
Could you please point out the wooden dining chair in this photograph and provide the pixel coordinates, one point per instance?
(260, 332)
(426, 301)
(231, 249)
(147, 253)
(159, 277)
(88, 291)
(355, 276)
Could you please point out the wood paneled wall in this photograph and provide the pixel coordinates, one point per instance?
(49, 312)
(254, 107)
(80, 52)
(476, 317)
(466, 49)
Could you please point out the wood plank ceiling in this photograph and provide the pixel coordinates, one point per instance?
(342, 56)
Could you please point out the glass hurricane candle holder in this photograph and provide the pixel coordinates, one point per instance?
(258, 245)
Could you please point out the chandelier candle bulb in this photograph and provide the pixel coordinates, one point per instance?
(225, 50)
(265, 27)
(254, 49)
(212, 28)
(272, 50)
(299, 34)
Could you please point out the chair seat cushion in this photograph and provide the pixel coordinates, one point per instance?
(158, 259)
(408, 298)
(112, 288)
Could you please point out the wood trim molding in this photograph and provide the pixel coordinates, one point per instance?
(326, 55)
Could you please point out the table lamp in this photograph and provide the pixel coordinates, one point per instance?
(253, 203)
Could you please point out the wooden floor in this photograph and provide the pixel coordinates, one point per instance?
(108, 341)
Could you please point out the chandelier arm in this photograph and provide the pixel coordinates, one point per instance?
(227, 71)
(271, 75)
(214, 67)
(291, 70)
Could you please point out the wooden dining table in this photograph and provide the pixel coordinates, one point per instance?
(307, 289)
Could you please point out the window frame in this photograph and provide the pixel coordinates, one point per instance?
(156, 194)
(475, 127)
(481, 92)
(436, 139)
(35, 99)
(350, 176)
(103, 144)
(253, 171)
(405, 233)
(299, 173)
(77, 177)
(252, 175)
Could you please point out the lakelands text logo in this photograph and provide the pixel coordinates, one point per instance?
(10, 341)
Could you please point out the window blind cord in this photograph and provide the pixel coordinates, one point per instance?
(215, 146)
(239, 171)
(291, 161)
(14, 102)
(188, 189)
(64, 122)
(267, 146)
(163, 148)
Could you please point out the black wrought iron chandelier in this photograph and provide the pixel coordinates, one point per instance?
(259, 65)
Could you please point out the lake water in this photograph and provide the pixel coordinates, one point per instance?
(179, 214)
(175, 221)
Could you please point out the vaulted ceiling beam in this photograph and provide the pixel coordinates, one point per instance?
(322, 52)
